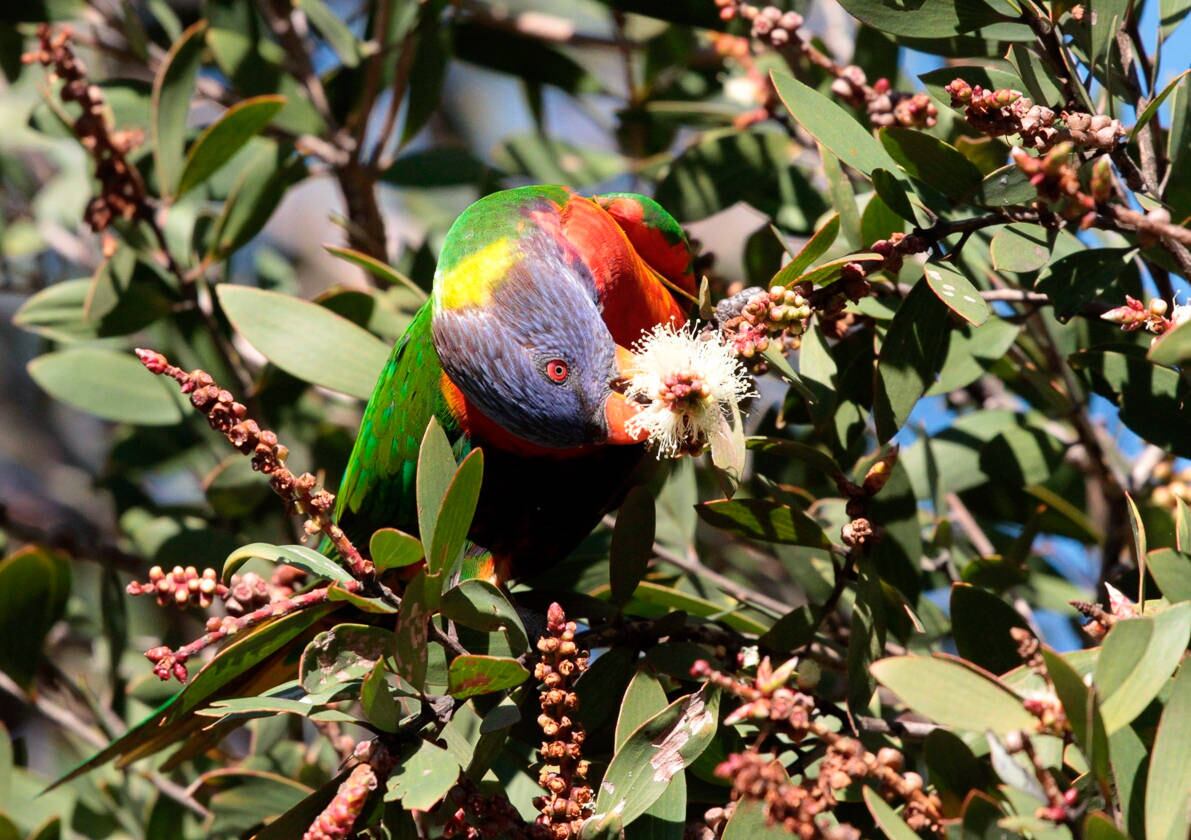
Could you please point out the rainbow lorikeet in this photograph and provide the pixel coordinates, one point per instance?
(537, 293)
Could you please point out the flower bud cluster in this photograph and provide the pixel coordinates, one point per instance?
(1005, 111)
(770, 24)
(122, 191)
(250, 591)
(180, 587)
(337, 819)
(1055, 177)
(1151, 316)
(767, 696)
(754, 318)
(476, 815)
(1171, 486)
(569, 799)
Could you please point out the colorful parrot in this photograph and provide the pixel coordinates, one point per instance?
(537, 296)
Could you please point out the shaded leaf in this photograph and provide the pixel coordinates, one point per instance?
(632, 543)
(34, 585)
(481, 606)
(924, 19)
(765, 520)
(1021, 248)
(935, 163)
(910, 358)
(886, 818)
(345, 652)
(980, 622)
(1076, 279)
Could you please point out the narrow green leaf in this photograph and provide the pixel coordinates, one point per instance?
(413, 632)
(108, 384)
(173, 88)
(814, 248)
(1076, 279)
(392, 549)
(1138, 529)
(833, 126)
(953, 693)
(1151, 108)
(1172, 348)
(1182, 521)
(665, 819)
(924, 19)
(436, 470)
(910, 358)
(1168, 786)
(300, 556)
(455, 515)
(337, 33)
(1083, 713)
(764, 520)
(221, 140)
(980, 623)
(378, 269)
(305, 339)
(891, 824)
(422, 777)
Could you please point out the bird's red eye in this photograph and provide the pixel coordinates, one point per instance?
(556, 369)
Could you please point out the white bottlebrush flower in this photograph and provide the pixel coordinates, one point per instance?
(691, 385)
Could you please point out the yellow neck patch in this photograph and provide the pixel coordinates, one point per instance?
(471, 281)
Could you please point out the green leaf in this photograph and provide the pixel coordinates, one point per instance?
(1182, 520)
(481, 606)
(957, 293)
(664, 819)
(378, 700)
(1168, 786)
(336, 32)
(740, 166)
(1107, 17)
(1172, 571)
(911, 357)
(422, 777)
(108, 384)
(814, 458)
(413, 632)
(1099, 826)
(441, 166)
(1154, 104)
(343, 653)
(989, 78)
(300, 556)
(654, 753)
(893, 826)
(379, 606)
(432, 47)
(924, 19)
(243, 799)
(632, 543)
(378, 269)
(436, 471)
(748, 822)
(221, 140)
(266, 177)
(652, 600)
(937, 164)
(295, 821)
(530, 59)
(173, 88)
(393, 549)
(1083, 713)
(1076, 279)
(1135, 661)
(878, 221)
(1021, 248)
(34, 586)
(455, 514)
(833, 126)
(764, 520)
(812, 249)
(953, 693)
(306, 340)
(472, 674)
(1172, 348)
(1152, 399)
(980, 623)
(842, 195)
(1008, 186)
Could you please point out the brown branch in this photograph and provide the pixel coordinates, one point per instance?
(231, 419)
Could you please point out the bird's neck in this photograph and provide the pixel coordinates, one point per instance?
(486, 432)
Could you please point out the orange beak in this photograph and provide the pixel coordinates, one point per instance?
(617, 410)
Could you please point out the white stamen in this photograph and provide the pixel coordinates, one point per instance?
(684, 425)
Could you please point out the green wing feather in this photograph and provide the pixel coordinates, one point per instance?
(378, 488)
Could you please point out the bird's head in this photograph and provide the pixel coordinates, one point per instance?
(518, 330)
